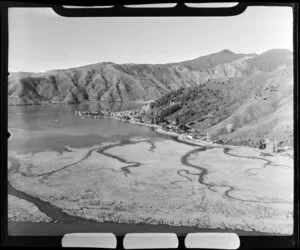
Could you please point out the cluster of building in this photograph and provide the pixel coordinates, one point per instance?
(126, 116)
(169, 126)
(139, 116)
(92, 114)
(271, 146)
(191, 133)
(135, 116)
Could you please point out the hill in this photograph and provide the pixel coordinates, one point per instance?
(113, 82)
(209, 61)
(252, 94)
(256, 104)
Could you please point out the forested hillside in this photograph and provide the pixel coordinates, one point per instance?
(114, 82)
(248, 93)
(242, 110)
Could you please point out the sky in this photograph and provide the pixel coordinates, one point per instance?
(41, 40)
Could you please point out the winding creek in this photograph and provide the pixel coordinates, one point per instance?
(60, 217)
(63, 223)
(125, 169)
(268, 162)
(203, 172)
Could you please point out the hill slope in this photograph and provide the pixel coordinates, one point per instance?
(209, 61)
(255, 104)
(114, 82)
(251, 93)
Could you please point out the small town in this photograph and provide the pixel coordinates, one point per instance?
(140, 117)
(169, 127)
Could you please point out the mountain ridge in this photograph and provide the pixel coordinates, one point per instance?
(211, 60)
(130, 63)
(108, 81)
(251, 93)
(255, 104)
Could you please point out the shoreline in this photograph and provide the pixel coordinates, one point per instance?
(185, 139)
(77, 103)
(119, 229)
(66, 221)
(71, 217)
(179, 138)
(158, 129)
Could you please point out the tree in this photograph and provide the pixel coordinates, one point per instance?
(183, 127)
(177, 120)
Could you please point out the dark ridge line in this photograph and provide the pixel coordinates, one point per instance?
(152, 146)
(102, 148)
(69, 217)
(111, 169)
(55, 213)
(268, 162)
(174, 182)
(184, 161)
(186, 171)
(175, 138)
(47, 174)
(125, 169)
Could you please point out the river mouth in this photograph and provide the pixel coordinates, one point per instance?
(63, 222)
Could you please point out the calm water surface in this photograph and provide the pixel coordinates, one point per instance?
(52, 127)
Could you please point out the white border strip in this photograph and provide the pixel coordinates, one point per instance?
(87, 7)
(212, 5)
(154, 5)
(92, 240)
(150, 240)
(212, 240)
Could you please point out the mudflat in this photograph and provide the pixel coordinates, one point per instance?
(161, 181)
(20, 210)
